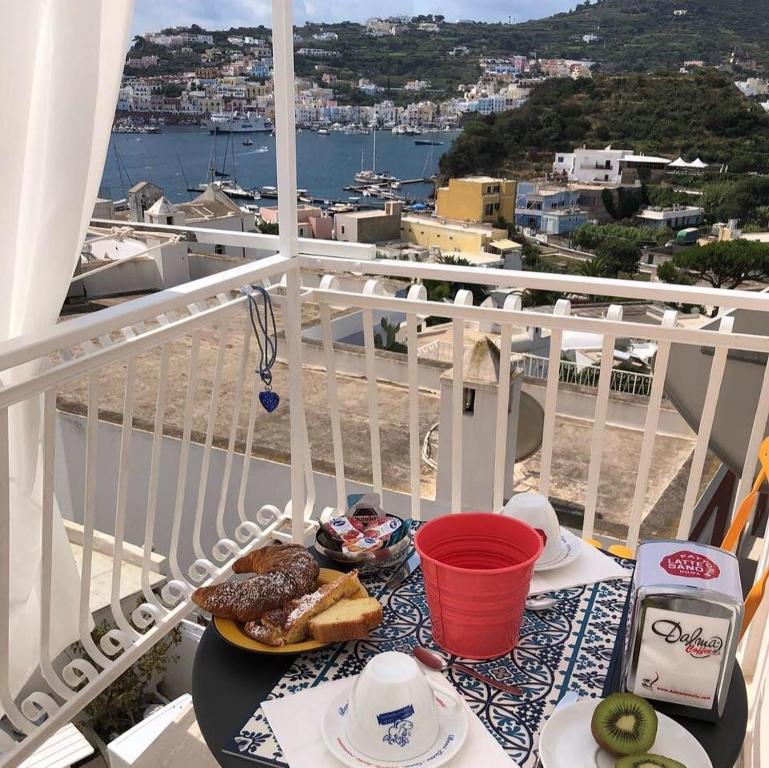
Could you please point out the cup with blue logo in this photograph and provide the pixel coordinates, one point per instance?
(395, 709)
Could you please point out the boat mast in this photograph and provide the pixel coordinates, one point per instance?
(373, 159)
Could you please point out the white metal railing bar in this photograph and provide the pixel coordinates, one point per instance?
(247, 454)
(154, 477)
(503, 402)
(599, 425)
(213, 407)
(333, 405)
(285, 126)
(46, 566)
(372, 287)
(416, 292)
(23, 349)
(650, 432)
(126, 433)
(547, 281)
(309, 475)
(717, 368)
(184, 455)
(463, 299)
(562, 308)
(89, 521)
(6, 701)
(293, 331)
(245, 346)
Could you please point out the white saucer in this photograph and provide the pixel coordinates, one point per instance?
(570, 545)
(451, 737)
(566, 741)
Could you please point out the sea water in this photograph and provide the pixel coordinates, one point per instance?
(179, 157)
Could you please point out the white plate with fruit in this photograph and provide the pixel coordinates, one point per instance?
(621, 731)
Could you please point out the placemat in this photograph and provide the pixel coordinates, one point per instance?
(568, 647)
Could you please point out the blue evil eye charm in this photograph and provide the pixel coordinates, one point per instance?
(269, 400)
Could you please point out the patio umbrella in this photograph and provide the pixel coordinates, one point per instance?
(687, 380)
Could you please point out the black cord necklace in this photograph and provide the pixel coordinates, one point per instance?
(263, 322)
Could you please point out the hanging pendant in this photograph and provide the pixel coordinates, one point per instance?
(269, 400)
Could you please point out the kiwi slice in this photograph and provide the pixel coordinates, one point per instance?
(647, 761)
(624, 724)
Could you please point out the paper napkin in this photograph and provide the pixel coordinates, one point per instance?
(295, 721)
(591, 566)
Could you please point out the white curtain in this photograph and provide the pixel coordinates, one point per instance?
(60, 68)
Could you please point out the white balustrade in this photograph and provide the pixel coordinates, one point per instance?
(87, 349)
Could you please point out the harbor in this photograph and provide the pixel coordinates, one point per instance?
(179, 159)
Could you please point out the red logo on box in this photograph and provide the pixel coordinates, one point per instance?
(691, 564)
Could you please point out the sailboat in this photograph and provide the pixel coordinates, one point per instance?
(371, 177)
(229, 186)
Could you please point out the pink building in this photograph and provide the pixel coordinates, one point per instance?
(311, 221)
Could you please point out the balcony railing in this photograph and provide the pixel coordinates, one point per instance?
(164, 388)
(629, 382)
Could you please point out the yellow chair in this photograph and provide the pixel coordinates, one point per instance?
(732, 537)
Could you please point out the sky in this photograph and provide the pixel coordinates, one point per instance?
(150, 15)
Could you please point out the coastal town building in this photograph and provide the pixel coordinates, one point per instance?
(672, 217)
(753, 86)
(141, 62)
(316, 53)
(370, 226)
(311, 221)
(178, 38)
(612, 166)
(417, 85)
(477, 198)
(450, 236)
(213, 209)
(548, 209)
(141, 197)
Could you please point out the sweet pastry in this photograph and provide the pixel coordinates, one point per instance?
(275, 557)
(347, 620)
(283, 572)
(288, 624)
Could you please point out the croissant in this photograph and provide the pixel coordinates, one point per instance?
(271, 558)
(284, 572)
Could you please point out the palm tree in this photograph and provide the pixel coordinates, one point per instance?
(591, 268)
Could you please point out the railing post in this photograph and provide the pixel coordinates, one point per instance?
(285, 142)
(562, 308)
(285, 123)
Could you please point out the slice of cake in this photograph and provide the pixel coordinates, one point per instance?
(347, 620)
(286, 625)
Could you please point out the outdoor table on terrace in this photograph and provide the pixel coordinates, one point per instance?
(570, 647)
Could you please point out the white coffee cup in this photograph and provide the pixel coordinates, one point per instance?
(393, 713)
(538, 512)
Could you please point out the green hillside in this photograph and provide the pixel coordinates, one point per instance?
(635, 36)
(646, 35)
(669, 114)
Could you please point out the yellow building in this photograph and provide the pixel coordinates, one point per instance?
(450, 236)
(477, 198)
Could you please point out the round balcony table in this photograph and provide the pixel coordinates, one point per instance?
(228, 684)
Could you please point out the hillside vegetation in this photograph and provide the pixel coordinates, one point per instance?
(635, 36)
(669, 114)
(646, 35)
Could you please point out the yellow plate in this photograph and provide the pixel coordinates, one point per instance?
(233, 633)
